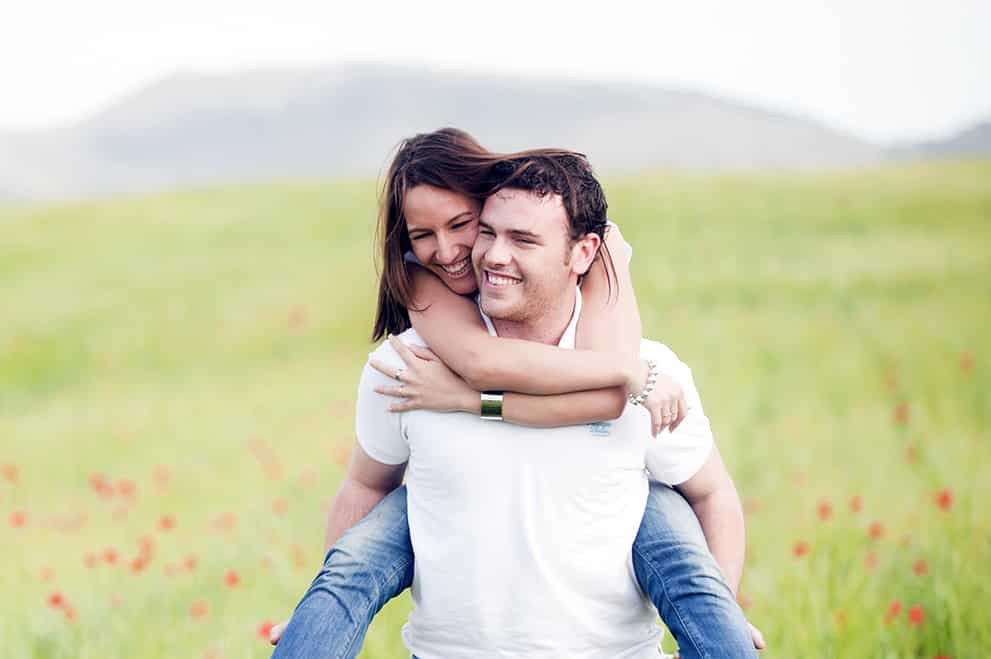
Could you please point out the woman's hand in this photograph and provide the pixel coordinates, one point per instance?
(665, 402)
(426, 383)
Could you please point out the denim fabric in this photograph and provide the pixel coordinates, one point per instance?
(679, 575)
(373, 562)
(370, 564)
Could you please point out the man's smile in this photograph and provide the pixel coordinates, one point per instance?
(498, 280)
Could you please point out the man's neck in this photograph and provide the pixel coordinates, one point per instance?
(548, 328)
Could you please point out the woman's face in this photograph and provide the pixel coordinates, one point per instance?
(442, 227)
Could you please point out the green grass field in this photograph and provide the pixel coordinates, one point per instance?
(177, 376)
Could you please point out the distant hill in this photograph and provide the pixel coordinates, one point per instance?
(973, 141)
(196, 129)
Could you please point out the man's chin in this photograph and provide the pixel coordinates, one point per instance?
(494, 308)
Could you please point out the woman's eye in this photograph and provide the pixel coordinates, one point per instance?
(459, 225)
(419, 235)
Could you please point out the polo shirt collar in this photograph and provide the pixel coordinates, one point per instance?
(567, 339)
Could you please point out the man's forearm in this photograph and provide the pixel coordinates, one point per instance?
(352, 502)
(721, 516)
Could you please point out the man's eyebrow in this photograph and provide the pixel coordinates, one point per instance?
(522, 233)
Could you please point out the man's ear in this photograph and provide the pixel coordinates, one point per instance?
(583, 252)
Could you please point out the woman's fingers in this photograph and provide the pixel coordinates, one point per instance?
(402, 349)
(383, 368)
(276, 633)
(682, 412)
(397, 392)
(423, 352)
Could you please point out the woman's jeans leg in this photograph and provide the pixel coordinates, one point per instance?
(679, 575)
(370, 564)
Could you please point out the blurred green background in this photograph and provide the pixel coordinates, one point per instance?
(177, 377)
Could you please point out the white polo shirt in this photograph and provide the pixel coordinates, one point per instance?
(522, 536)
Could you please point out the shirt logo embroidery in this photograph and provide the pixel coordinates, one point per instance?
(600, 428)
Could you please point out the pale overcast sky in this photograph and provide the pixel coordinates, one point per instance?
(881, 69)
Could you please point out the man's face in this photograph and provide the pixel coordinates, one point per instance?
(442, 226)
(523, 257)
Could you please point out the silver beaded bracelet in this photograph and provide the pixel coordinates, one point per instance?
(647, 388)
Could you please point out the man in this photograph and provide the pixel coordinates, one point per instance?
(547, 572)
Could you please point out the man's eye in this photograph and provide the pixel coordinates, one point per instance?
(487, 232)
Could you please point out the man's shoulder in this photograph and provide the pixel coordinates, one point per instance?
(387, 354)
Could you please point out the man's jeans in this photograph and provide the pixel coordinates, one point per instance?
(373, 562)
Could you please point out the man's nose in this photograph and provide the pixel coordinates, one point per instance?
(498, 252)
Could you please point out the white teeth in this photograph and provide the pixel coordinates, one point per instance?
(457, 269)
(497, 280)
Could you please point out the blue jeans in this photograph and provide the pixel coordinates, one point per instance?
(373, 562)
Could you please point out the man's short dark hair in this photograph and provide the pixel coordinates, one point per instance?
(546, 172)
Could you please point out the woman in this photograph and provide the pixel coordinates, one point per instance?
(432, 199)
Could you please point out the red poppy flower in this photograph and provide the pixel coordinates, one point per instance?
(224, 522)
(916, 615)
(166, 522)
(101, 485)
(190, 562)
(876, 530)
(56, 600)
(901, 414)
(856, 503)
(944, 499)
(825, 510)
(199, 609)
(9, 472)
(17, 519)
(232, 578)
(161, 476)
(138, 565)
(127, 488)
(70, 612)
(920, 567)
(110, 555)
(90, 560)
(147, 545)
(280, 507)
(894, 610)
(800, 549)
(265, 629)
